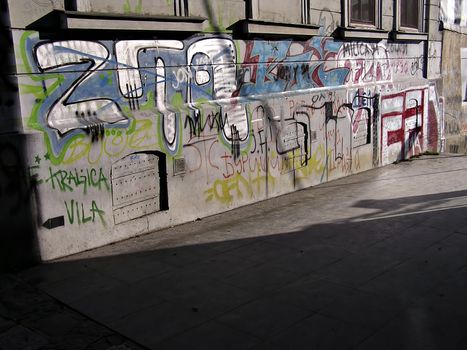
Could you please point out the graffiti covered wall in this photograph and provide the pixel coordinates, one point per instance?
(463, 65)
(454, 91)
(135, 135)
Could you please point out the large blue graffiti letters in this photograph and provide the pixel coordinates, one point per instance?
(67, 114)
(280, 66)
(104, 84)
(220, 54)
(141, 67)
(132, 77)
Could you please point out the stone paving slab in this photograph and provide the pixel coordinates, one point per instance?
(32, 320)
(372, 261)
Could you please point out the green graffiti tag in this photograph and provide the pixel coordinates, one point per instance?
(71, 180)
(138, 9)
(140, 134)
(77, 213)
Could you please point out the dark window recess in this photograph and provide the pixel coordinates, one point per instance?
(181, 8)
(363, 11)
(305, 11)
(458, 11)
(164, 194)
(409, 10)
(71, 5)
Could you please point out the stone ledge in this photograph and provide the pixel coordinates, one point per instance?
(63, 20)
(351, 33)
(408, 36)
(249, 27)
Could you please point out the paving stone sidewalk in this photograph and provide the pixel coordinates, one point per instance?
(32, 320)
(372, 261)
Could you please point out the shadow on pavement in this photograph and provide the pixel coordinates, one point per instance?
(413, 204)
(396, 282)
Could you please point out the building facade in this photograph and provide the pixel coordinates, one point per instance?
(453, 87)
(121, 117)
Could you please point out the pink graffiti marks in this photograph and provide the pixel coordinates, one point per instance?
(278, 66)
(367, 63)
(434, 125)
(407, 60)
(273, 150)
(402, 125)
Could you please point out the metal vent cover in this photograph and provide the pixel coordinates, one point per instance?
(135, 186)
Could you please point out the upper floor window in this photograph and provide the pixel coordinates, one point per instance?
(361, 21)
(363, 12)
(408, 21)
(281, 11)
(277, 18)
(410, 13)
(181, 8)
(305, 11)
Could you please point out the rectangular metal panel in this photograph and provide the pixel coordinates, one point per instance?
(136, 210)
(135, 186)
(134, 163)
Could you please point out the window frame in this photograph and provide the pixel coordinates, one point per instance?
(410, 34)
(253, 11)
(252, 26)
(348, 16)
(349, 30)
(377, 21)
(421, 17)
(305, 11)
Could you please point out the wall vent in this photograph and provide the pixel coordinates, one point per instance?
(179, 166)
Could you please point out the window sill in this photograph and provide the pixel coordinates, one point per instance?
(408, 36)
(63, 20)
(249, 28)
(350, 33)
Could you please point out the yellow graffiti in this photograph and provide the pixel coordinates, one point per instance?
(238, 186)
(128, 9)
(78, 148)
(113, 144)
(316, 165)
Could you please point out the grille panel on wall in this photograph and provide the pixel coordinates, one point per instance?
(135, 187)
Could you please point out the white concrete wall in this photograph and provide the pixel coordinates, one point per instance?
(231, 121)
